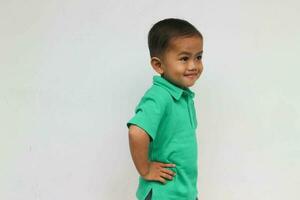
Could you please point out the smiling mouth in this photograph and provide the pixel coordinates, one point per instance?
(191, 75)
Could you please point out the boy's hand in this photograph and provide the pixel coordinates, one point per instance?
(157, 172)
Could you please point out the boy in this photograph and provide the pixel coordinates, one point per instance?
(162, 134)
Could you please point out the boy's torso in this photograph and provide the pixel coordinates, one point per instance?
(175, 142)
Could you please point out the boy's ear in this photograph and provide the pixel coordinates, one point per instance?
(157, 65)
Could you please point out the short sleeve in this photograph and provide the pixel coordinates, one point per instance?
(148, 114)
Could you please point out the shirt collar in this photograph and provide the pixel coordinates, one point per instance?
(174, 90)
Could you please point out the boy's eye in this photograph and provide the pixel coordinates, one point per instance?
(184, 58)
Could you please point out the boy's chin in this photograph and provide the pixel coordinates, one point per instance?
(189, 84)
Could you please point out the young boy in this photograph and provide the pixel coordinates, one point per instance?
(162, 133)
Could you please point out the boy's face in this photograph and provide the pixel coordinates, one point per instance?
(182, 61)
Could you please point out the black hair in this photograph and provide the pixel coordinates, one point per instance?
(163, 31)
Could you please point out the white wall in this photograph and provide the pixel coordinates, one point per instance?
(71, 73)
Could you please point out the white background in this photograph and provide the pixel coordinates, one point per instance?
(72, 72)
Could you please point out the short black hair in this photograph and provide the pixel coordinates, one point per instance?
(163, 31)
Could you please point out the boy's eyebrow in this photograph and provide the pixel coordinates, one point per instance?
(188, 53)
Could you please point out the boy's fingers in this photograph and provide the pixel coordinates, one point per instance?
(162, 180)
(168, 165)
(168, 172)
(165, 175)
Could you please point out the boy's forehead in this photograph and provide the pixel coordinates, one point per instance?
(186, 44)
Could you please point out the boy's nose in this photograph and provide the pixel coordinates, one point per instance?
(192, 66)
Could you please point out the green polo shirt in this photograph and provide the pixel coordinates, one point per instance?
(167, 114)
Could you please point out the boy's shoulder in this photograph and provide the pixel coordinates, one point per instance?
(158, 93)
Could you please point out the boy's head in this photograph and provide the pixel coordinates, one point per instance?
(176, 48)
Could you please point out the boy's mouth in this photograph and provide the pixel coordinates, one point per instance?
(191, 75)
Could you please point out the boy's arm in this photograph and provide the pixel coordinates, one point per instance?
(139, 141)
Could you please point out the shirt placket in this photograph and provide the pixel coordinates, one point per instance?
(190, 109)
